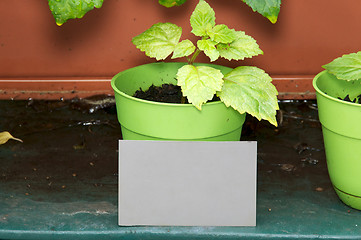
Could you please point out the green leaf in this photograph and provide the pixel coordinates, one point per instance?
(171, 3)
(347, 67)
(267, 8)
(64, 10)
(6, 136)
(249, 89)
(202, 19)
(209, 48)
(199, 84)
(183, 49)
(243, 47)
(222, 34)
(159, 41)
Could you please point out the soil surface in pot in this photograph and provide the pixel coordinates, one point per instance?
(347, 99)
(167, 93)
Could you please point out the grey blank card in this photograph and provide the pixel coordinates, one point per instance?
(172, 183)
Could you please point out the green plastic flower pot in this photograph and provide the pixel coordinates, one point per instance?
(148, 120)
(342, 135)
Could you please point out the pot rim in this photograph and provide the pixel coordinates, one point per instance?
(319, 91)
(153, 102)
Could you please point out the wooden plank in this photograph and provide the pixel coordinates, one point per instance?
(294, 86)
(51, 89)
(288, 86)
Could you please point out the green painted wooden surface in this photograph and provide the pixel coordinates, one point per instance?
(61, 183)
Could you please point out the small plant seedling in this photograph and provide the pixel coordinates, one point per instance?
(245, 88)
(346, 68)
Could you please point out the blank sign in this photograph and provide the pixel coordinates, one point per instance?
(173, 183)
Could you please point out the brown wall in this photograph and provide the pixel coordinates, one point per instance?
(307, 35)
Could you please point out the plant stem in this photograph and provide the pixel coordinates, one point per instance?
(194, 56)
(183, 100)
(190, 61)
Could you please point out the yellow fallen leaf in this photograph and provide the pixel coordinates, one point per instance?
(6, 136)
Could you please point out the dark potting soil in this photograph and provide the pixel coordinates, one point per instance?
(167, 93)
(356, 100)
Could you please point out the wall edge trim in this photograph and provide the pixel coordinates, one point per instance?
(288, 86)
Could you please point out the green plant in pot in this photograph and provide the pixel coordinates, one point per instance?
(338, 90)
(245, 89)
